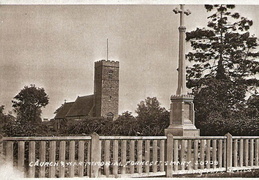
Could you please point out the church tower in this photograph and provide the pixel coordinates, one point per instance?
(106, 88)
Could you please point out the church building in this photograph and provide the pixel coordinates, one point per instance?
(105, 100)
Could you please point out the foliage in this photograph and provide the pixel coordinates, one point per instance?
(225, 49)
(85, 126)
(224, 65)
(125, 116)
(28, 103)
(149, 109)
(220, 96)
(125, 125)
(152, 117)
(238, 125)
(151, 120)
(4, 118)
(252, 109)
(18, 128)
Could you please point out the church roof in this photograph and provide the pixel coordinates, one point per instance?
(62, 111)
(82, 106)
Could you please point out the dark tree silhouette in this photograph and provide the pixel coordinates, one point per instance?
(28, 103)
(224, 63)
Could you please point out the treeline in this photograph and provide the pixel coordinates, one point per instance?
(151, 119)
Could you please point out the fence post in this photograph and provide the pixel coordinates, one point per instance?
(95, 156)
(169, 155)
(1, 147)
(2, 157)
(229, 152)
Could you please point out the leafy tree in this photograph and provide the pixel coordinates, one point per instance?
(153, 118)
(125, 116)
(9, 126)
(4, 118)
(149, 109)
(86, 126)
(252, 109)
(224, 64)
(23, 128)
(28, 103)
(217, 125)
(125, 125)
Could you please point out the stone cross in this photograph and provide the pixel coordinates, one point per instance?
(181, 89)
(182, 117)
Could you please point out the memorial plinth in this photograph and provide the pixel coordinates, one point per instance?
(182, 117)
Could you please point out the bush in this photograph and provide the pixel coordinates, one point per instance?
(125, 125)
(238, 125)
(85, 126)
(16, 128)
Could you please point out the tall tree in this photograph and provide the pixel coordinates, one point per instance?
(253, 106)
(223, 62)
(4, 118)
(28, 103)
(152, 118)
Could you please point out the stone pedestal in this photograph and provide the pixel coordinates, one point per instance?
(182, 118)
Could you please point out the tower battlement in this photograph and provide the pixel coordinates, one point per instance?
(107, 63)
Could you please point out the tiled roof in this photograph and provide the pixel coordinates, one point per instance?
(63, 110)
(82, 106)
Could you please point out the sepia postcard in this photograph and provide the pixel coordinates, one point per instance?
(129, 89)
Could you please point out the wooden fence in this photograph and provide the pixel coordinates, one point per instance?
(127, 156)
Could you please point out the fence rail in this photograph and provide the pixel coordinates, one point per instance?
(128, 156)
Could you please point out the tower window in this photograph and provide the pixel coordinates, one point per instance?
(110, 74)
(110, 116)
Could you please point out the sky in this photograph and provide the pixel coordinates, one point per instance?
(55, 47)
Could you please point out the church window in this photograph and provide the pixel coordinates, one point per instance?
(110, 74)
(110, 116)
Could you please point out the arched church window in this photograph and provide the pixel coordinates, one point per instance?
(110, 116)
